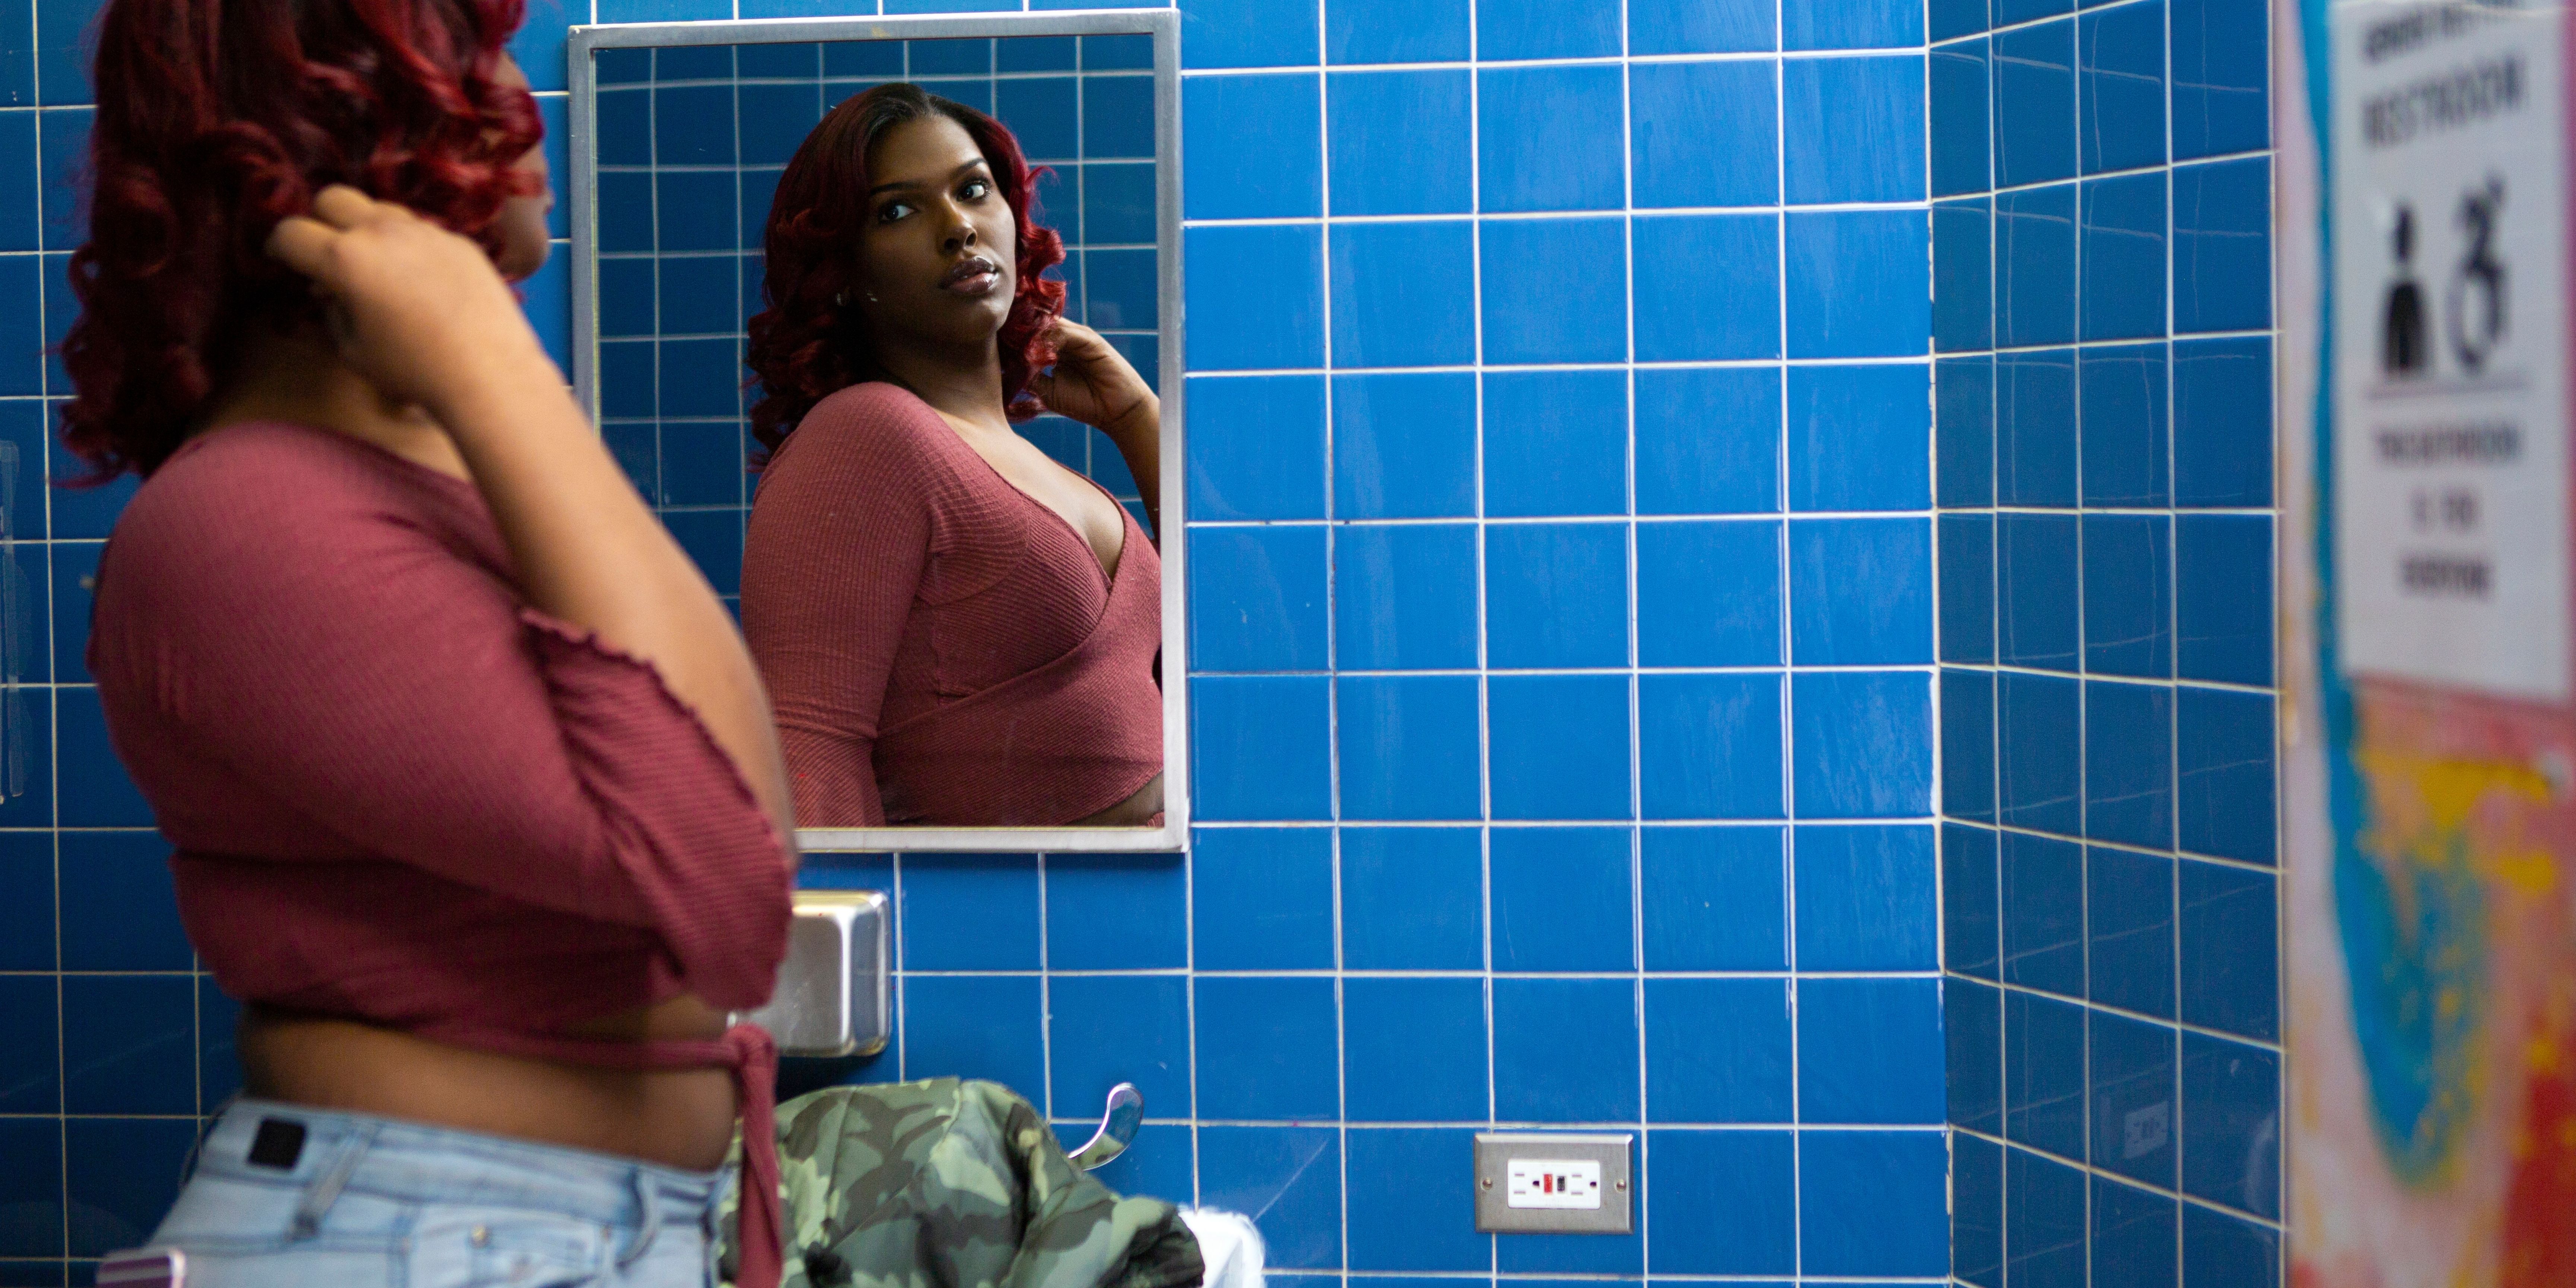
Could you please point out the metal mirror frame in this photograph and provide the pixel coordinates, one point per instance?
(1164, 25)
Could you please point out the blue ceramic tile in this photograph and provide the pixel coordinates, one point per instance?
(91, 788)
(625, 212)
(1977, 1208)
(1700, 26)
(63, 135)
(2035, 266)
(806, 61)
(702, 463)
(1561, 900)
(2044, 1073)
(1404, 445)
(2133, 1237)
(626, 297)
(1961, 140)
(1714, 898)
(1968, 745)
(121, 1175)
(693, 125)
(1118, 116)
(1859, 437)
(1718, 1051)
(1413, 1050)
(2223, 598)
(1853, 127)
(1396, 1223)
(1708, 746)
(1113, 53)
(1413, 898)
(18, 82)
(2035, 104)
(1963, 276)
(2225, 792)
(2223, 422)
(1255, 297)
(119, 911)
(18, 220)
(1863, 744)
(1866, 897)
(1556, 443)
(1860, 591)
(2222, 246)
(1258, 747)
(61, 307)
(2124, 451)
(1536, 1021)
(1539, 132)
(1717, 287)
(1043, 112)
(1869, 1050)
(1557, 746)
(31, 1023)
(1858, 285)
(1963, 402)
(2043, 913)
(1118, 202)
(976, 1026)
(51, 638)
(2127, 609)
(1258, 599)
(2044, 1242)
(700, 378)
(2121, 56)
(27, 941)
(32, 1191)
(1873, 1203)
(2124, 256)
(22, 329)
(2036, 590)
(2129, 930)
(2221, 68)
(694, 210)
(1160, 1164)
(2231, 1124)
(1967, 618)
(1708, 594)
(1556, 290)
(1290, 1176)
(1278, 117)
(1556, 594)
(1257, 447)
(1511, 29)
(713, 541)
(2230, 949)
(2222, 1251)
(2133, 1098)
(1406, 596)
(1396, 31)
(1120, 290)
(1408, 746)
(1708, 441)
(1835, 24)
(1703, 134)
(1972, 1034)
(1725, 1202)
(1262, 898)
(1117, 912)
(1109, 1029)
(1265, 1048)
(1400, 143)
(2035, 429)
(878, 59)
(970, 912)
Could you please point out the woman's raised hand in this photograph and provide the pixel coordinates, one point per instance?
(419, 310)
(1093, 383)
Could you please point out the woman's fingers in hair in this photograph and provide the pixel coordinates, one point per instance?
(304, 243)
(342, 206)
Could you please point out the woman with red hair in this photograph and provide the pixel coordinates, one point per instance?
(956, 629)
(474, 792)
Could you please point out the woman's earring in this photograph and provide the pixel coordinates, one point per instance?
(841, 300)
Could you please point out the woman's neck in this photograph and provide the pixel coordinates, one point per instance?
(299, 377)
(961, 383)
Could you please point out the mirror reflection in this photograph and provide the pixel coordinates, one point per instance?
(935, 262)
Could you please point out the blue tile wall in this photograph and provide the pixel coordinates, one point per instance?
(2103, 472)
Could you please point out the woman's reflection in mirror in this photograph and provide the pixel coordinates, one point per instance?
(955, 629)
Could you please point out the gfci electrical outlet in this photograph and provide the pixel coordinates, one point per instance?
(1546, 1183)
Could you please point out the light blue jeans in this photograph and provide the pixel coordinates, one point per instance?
(290, 1197)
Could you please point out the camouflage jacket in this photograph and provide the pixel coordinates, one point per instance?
(950, 1184)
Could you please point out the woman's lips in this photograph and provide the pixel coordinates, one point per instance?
(971, 277)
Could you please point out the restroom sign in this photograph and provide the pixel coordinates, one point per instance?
(2450, 345)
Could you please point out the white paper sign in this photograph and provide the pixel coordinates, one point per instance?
(2450, 317)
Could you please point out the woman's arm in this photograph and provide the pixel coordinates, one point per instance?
(1093, 383)
(422, 313)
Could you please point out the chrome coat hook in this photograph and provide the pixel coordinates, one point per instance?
(1118, 1124)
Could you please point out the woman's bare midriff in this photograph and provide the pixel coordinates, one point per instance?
(676, 1117)
(1135, 811)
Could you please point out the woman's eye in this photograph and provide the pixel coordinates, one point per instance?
(892, 211)
(976, 189)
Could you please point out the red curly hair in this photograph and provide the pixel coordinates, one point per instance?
(804, 345)
(218, 118)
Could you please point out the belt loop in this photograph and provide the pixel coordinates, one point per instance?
(326, 1189)
(651, 1211)
(205, 1127)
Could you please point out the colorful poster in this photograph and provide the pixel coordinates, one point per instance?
(2430, 744)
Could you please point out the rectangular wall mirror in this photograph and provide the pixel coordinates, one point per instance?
(798, 297)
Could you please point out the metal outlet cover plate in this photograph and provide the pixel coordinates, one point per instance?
(1494, 1154)
(833, 990)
